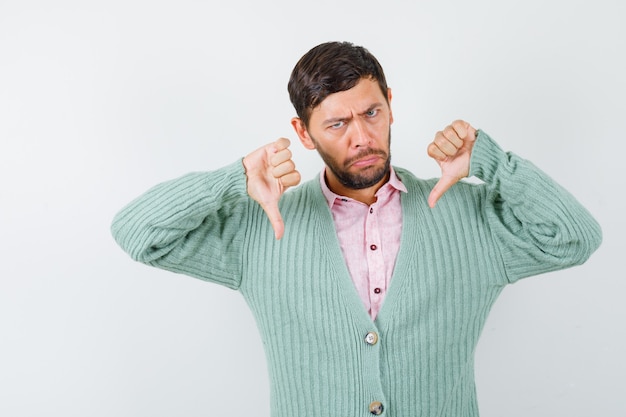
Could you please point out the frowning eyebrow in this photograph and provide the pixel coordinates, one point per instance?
(334, 120)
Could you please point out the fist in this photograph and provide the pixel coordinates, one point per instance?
(452, 149)
(270, 171)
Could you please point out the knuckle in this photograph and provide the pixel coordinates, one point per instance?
(460, 126)
(449, 131)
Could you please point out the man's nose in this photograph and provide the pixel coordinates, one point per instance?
(360, 134)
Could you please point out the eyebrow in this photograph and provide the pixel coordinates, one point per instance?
(334, 120)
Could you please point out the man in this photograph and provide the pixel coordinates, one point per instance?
(370, 286)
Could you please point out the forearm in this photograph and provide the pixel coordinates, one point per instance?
(537, 224)
(188, 223)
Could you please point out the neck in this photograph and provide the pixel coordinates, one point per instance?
(364, 195)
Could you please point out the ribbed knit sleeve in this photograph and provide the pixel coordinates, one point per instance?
(192, 225)
(537, 225)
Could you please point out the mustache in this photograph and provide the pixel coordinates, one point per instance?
(364, 153)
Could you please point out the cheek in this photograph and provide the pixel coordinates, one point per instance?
(332, 142)
(380, 131)
(330, 150)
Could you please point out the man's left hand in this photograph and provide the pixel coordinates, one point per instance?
(452, 149)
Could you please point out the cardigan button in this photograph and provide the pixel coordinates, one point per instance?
(376, 408)
(371, 338)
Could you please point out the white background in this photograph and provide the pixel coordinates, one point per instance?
(101, 100)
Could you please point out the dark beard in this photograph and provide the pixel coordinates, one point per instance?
(365, 179)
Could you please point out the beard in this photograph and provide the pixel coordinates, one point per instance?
(365, 178)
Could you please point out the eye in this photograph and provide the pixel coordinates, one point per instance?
(337, 125)
(371, 113)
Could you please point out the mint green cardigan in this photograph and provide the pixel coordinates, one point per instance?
(453, 263)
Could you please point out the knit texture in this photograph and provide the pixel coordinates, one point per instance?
(453, 262)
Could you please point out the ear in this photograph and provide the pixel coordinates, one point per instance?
(303, 134)
(389, 103)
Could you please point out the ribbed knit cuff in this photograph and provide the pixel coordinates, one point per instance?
(230, 181)
(487, 156)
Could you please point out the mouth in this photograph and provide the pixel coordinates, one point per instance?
(367, 161)
(370, 158)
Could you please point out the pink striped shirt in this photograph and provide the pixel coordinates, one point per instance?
(370, 238)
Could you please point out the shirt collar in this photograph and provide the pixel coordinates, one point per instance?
(394, 182)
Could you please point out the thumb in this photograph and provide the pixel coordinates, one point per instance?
(443, 185)
(276, 219)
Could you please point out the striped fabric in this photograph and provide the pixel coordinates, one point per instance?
(326, 357)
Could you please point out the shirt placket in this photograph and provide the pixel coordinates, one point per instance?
(375, 261)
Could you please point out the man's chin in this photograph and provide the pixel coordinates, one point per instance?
(366, 177)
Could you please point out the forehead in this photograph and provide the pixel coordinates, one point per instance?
(353, 101)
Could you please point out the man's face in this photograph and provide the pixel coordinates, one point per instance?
(351, 132)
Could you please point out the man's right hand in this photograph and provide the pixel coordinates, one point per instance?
(270, 171)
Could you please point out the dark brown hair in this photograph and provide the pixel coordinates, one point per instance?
(330, 68)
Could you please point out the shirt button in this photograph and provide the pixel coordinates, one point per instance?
(371, 210)
(373, 247)
(371, 338)
(376, 408)
(377, 290)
